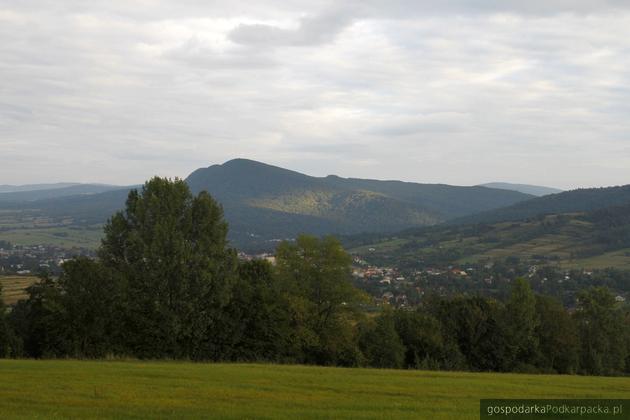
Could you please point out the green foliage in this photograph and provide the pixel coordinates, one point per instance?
(258, 320)
(93, 300)
(425, 345)
(41, 321)
(557, 336)
(76, 315)
(171, 250)
(603, 332)
(380, 342)
(476, 326)
(521, 322)
(315, 277)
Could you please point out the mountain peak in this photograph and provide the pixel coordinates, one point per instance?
(242, 162)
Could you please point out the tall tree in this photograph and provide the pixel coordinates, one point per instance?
(557, 336)
(92, 298)
(41, 321)
(380, 343)
(425, 346)
(602, 332)
(475, 324)
(315, 275)
(258, 316)
(171, 249)
(521, 322)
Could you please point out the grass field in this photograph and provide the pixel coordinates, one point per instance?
(61, 236)
(81, 389)
(14, 287)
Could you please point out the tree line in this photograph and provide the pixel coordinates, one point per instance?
(166, 284)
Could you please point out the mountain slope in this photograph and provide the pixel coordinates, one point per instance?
(536, 190)
(580, 200)
(447, 200)
(596, 239)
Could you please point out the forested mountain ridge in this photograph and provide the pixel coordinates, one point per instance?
(265, 203)
(579, 200)
(263, 200)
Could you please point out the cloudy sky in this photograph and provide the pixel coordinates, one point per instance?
(457, 91)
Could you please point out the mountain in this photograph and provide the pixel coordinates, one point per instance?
(265, 203)
(579, 200)
(536, 190)
(54, 191)
(32, 187)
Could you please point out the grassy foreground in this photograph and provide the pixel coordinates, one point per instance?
(80, 389)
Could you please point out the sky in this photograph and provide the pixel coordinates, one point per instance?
(457, 92)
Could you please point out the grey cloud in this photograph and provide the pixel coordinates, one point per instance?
(418, 8)
(195, 53)
(311, 31)
(266, 9)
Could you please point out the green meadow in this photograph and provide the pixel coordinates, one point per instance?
(61, 236)
(132, 389)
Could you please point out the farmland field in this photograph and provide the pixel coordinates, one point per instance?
(130, 389)
(14, 287)
(61, 236)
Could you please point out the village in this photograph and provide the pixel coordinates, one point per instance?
(387, 285)
(35, 259)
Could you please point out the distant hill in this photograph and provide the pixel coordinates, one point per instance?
(580, 200)
(536, 190)
(33, 187)
(82, 209)
(265, 203)
(54, 191)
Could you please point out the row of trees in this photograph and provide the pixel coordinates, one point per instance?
(167, 285)
(529, 333)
